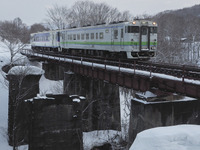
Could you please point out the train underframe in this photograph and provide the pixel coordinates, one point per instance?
(145, 55)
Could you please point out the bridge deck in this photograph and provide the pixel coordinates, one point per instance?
(127, 77)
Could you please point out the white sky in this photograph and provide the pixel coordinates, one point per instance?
(34, 11)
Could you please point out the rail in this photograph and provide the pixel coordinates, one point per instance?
(182, 71)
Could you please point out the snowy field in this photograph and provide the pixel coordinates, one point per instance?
(183, 137)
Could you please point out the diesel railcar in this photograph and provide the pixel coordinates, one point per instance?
(132, 40)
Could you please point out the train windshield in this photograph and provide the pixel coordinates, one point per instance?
(153, 29)
(133, 29)
(144, 30)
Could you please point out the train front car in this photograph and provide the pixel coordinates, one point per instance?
(141, 36)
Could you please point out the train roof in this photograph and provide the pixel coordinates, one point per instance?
(134, 23)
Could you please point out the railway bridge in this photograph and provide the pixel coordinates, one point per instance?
(138, 76)
(102, 109)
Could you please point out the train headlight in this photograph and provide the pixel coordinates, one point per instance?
(134, 22)
(154, 23)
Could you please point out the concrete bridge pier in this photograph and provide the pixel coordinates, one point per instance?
(56, 123)
(101, 111)
(23, 84)
(160, 111)
(53, 71)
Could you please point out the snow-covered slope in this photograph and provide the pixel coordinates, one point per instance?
(3, 106)
(180, 137)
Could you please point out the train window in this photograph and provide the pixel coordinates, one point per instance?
(63, 36)
(101, 35)
(74, 37)
(115, 34)
(96, 35)
(144, 31)
(133, 29)
(78, 36)
(87, 36)
(153, 29)
(92, 36)
(82, 36)
(70, 36)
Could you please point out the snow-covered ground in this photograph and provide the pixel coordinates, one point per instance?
(3, 108)
(181, 137)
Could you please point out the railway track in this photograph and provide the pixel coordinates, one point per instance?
(180, 71)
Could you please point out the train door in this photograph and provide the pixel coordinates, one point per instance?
(58, 41)
(114, 38)
(66, 40)
(52, 39)
(122, 38)
(144, 38)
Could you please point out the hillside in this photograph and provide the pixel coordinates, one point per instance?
(193, 11)
(173, 26)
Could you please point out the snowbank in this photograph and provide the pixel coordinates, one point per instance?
(180, 137)
(25, 70)
(100, 137)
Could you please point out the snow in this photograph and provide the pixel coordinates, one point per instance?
(181, 137)
(98, 138)
(50, 87)
(3, 107)
(146, 94)
(25, 70)
(76, 100)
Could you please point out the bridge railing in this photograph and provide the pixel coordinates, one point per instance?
(180, 72)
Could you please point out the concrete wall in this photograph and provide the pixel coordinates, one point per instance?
(56, 124)
(155, 114)
(20, 88)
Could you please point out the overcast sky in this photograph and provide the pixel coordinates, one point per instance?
(34, 11)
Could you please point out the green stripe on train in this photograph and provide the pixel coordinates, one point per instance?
(109, 43)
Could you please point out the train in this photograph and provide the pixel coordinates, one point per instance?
(129, 40)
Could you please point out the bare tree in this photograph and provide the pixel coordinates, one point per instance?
(90, 13)
(15, 35)
(58, 17)
(81, 13)
(38, 28)
(84, 13)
